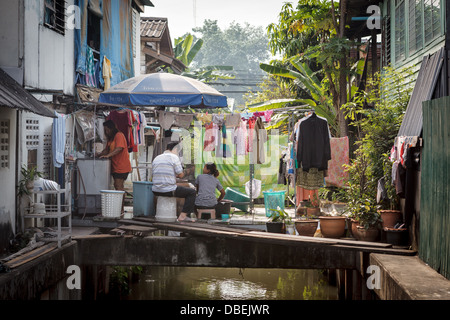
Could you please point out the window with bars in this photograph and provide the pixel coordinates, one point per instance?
(4, 144)
(55, 15)
(386, 34)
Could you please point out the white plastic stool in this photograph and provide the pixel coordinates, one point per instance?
(166, 209)
(212, 212)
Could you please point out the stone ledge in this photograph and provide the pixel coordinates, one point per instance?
(409, 278)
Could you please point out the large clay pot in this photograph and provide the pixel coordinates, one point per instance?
(390, 217)
(313, 211)
(306, 227)
(352, 223)
(370, 234)
(332, 227)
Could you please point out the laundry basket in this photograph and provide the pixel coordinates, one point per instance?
(273, 200)
(112, 203)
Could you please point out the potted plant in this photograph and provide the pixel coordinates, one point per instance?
(306, 225)
(26, 184)
(365, 219)
(389, 207)
(277, 221)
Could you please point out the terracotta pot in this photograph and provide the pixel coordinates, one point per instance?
(332, 227)
(390, 217)
(306, 227)
(364, 234)
(313, 211)
(352, 227)
(275, 227)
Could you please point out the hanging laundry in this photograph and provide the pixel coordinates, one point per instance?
(166, 119)
(218, 119)
(106, 72)
(183, 120)
(58, 139)
(223, 149)
(204, 118)
(251, 133)
(232, 120)
(261, 139)
(210, 140)
(268, 115)
(90, 68)
(240, 138)
(337, 175)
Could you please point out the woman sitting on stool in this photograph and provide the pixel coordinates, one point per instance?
(206, 185)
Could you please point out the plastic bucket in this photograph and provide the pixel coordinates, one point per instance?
(112, 203)
(235, 196)
(143, 199)
(273, 200)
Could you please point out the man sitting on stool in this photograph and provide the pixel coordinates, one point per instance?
(166, 168)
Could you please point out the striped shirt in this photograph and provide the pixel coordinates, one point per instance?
(165, 167)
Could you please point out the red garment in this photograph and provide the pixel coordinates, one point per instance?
(123, 123)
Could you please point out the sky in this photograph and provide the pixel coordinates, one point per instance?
(182, 18)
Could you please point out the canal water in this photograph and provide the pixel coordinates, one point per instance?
(205, 283)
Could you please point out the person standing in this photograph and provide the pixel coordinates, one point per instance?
(165, 169)
(116, 149)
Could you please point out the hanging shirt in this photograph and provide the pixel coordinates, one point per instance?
(123, 123)
(210, 140)
(240, 138)
(106, 72)
(313, 149)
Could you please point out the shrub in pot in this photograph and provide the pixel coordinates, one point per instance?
(277, 221)
(365, 218)
(389, 204)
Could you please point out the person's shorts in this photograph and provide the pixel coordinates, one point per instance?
(122, 176)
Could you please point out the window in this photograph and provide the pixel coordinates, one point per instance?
(54, 15)
(4, 144)
(415, 25)
(386, 34)
(432, 19)
(400, 24)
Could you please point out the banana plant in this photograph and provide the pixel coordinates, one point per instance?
(186, 49)
(320, 98)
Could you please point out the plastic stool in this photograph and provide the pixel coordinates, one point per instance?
(212, 212)
(166, 209)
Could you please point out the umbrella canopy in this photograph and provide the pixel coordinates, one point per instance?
(164, 89)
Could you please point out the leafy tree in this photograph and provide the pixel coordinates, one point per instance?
(316, 31)
(241, 46)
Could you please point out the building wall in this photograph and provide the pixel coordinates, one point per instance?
(7, 190)
(48, 55)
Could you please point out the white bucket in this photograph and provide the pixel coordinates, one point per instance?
(166, 209)
(112, 203)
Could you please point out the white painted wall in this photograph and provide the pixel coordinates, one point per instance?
(7, 190)
(49, 56)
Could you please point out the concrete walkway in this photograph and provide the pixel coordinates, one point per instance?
(409, 278)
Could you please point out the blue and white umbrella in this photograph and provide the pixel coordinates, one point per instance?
(163, 89)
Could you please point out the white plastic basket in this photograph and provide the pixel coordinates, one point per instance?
(112, 203)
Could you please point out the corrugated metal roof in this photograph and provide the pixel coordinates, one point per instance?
(153, 27)
(424, 88)
(12, 95)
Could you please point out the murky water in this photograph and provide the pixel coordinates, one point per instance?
(197, 283)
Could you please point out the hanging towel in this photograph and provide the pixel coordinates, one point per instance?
(183, 120)
(232, 120)
(210, 139)
(106, 72)
(337, 174)
(90, 68)
(166, 119)
(58, 139)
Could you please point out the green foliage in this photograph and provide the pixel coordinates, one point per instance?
(119, 280)
(280, 216)
(28, 176)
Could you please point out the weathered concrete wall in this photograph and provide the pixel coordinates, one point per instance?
(212, 252)
(8, 190)
(29, 281)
